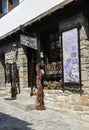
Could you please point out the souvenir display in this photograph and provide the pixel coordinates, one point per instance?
(53, 67)
(47, 68)
(59, 67)
(53, 64)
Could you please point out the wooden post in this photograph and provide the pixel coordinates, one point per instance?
(32, 71)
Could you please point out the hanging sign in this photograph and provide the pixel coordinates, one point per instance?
(28, 41)
(70, 56)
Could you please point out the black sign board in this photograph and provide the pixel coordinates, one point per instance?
(28, 41)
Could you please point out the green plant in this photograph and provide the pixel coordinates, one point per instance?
(13, 90)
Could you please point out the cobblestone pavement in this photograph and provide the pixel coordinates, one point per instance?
(13, 118)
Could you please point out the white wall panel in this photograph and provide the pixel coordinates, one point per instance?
(26, 11)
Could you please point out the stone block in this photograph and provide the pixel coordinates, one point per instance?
(75, 99)
(83, 67)
(83, 34)
(83, 60)
(85, 117)
(64, 111)
(84, 97)
(77, 108)
(84, 75)
(59, 104)
(72, 113)
(84, 100)
(85, 103)
(60, 98)
(85, 83)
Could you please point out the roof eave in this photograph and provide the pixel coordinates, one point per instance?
(48, 12)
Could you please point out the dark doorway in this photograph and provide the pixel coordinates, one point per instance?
(31, 64)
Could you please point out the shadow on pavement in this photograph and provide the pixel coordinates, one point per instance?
(8, 122)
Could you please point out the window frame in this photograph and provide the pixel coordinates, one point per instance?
(6, 7)
(9, 6)
(15, 3)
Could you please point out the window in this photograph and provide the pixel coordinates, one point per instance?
(4, 6)
(12, 4)
(15, 2)
(55, 41)
(7, 5)
(0, 9)
(51, 61)
(55, 46)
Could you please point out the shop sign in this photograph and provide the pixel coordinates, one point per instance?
(28, 41)
(70, 56)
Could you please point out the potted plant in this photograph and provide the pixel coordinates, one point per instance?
(13, 92)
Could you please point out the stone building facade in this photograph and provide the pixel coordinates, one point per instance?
(18, 56)
(65, 99)
(67, 102)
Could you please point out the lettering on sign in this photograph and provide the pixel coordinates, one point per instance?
(28, 41)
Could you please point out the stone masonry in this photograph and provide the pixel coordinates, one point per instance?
(19, 57)
(68, 103)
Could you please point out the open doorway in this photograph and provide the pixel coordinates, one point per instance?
(31, 63)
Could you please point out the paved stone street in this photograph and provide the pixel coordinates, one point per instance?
(14, 118)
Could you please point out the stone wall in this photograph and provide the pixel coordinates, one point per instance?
(18, 56)
(22, 65)
(68, 103)
(84, 48)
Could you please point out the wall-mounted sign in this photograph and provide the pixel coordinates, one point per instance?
(70, 56)
(28, 41)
